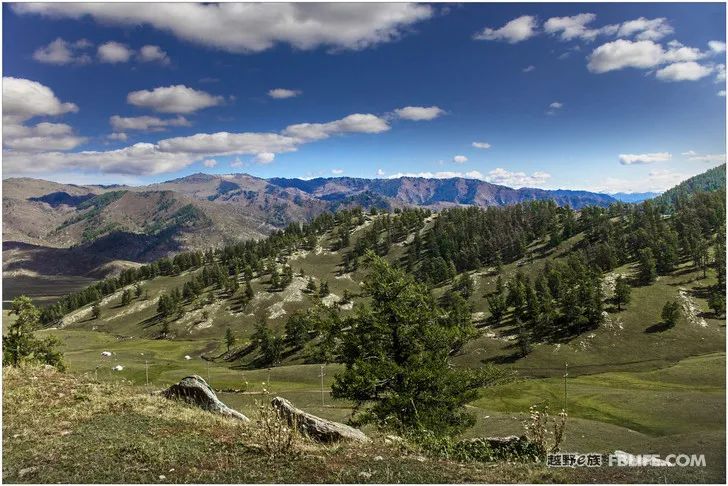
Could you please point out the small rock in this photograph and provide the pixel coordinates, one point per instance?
(187, 357)
(365, 475)
(27, 470)
(421, 458)
(118, 368)
(106, 353)
(162, 477)
(378, 458)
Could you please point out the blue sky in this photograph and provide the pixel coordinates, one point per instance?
(607, 97)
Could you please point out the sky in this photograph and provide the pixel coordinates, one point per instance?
(602, 97)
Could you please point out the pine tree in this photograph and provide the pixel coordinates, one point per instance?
(622, 292)
(397, 358)
(647, 266)
(126, 297)
(96, 310)
(670, 313)
(21, 345)
(229, 338)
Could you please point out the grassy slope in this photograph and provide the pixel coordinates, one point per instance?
(113, 433)
(628, 387)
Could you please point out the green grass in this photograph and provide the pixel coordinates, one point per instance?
(58, 428)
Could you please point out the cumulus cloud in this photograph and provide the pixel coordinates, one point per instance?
(151, 53)
(356, 123)
(173, 99)
(721, 93)
(419, 113)
(61, 52)
(380, 172)
(255, 27)
(24, 99)
(146, 123)
(645, 29)
(172, 154)
(460, 159)
(516, 30)
(209, 163)
(576, 27)
(517, 180)
(237, 163)
(623, 53)
(556, 105)
(719, 73)
(264, 157)
(282, 93)
(481, 145)
(683, 71)
(114, 52)
(637, 159)
(528, 69)
(717, 46)
(337, 171)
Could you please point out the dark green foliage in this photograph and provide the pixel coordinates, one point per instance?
(397, 358)
(646, 265)
(126, 297)
(229, 338)
(711, 180)
(670, 313)
(96, 310)
(622, 292)
(20, 345)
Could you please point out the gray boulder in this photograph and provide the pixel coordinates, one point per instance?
(194, 390)
(317, 428)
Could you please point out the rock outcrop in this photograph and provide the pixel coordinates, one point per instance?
(316, 428)
(194, 390)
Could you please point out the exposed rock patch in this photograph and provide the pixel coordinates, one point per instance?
(194, 390)
(315, 427)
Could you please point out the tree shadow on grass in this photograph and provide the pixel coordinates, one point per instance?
(659, 327)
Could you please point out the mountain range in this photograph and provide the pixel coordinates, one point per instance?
(69, 229)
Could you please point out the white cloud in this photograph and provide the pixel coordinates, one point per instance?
(24, 99)
(173, 99)
(380, 172)
(556, 105)
(719, 73)
(636, 159)
(151, 53)
(460, 159)
(516, 30)
(209, 163)
(173, 154)
(680, 53)
(721, 93)
(264, 157)
(356, 123)
(481, 145)
(716, 46)
(114, 52)
(646, 29)
(237, 163)
(43, 136)
(117, 136)
(61, 52)
(419, 113)
(528, 69)
(622, 53)
(255, 27)
(282, 93)
(711, 158)
(147, 123)
(337, 171)
(517, 180)
(683, 71)
(575, 27)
